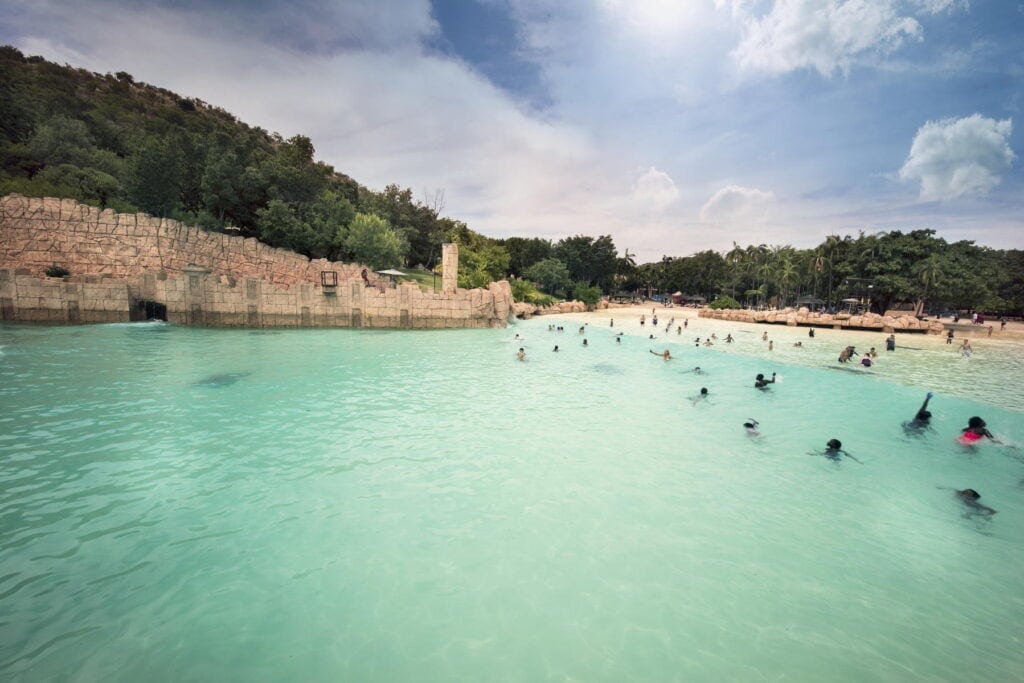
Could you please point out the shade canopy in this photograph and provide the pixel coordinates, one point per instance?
(390, 271)
(809, 300)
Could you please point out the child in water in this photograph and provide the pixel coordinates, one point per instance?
(834, 451)
(975, 431)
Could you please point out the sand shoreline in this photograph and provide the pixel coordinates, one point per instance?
(627, 319)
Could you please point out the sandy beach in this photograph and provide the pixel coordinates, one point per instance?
(627, 319)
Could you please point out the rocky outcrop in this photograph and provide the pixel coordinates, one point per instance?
(807, 318)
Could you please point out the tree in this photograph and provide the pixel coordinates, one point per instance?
(589, 260)
(371, 240)
(550, 274)
(154, 185)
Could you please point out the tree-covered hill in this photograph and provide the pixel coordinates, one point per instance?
(110, 141)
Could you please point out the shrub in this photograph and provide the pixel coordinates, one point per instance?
(724, 302)
(57, 271)
(524, 290)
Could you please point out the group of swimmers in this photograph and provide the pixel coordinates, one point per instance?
(975, 431)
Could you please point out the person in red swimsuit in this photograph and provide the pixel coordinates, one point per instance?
(975, 431)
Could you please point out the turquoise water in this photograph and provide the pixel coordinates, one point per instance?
(324, 505)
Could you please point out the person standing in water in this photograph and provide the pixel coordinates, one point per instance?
(522, 354)
(834, 451)
(761, 383)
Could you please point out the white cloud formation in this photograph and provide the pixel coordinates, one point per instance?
(829, 36)
(655, 189)
(959, 157)
(734, 204)
(939, 6)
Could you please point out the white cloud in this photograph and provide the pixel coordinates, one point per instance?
(939, 6)
(959, 157)
(655, 189)
(829, 36)
(734, 204)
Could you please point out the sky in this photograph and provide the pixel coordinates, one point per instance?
(674, 127)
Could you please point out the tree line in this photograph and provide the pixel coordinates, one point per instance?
(107, 140)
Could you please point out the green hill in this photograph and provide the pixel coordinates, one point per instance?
(110, 141)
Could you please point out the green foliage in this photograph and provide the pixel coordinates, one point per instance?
(524, 290)
(550, 274)
(525, 252)
(724, 302)
(372, 241)
(589, 260)
(588, 294)
(57, 271)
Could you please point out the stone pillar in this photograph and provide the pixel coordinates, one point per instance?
(450, 268)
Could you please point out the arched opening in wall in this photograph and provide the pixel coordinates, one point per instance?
(144, 309)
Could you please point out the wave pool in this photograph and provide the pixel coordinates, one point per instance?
(321, 505)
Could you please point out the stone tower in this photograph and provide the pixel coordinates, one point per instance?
(450, 268)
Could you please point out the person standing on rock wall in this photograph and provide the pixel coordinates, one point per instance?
(366, 278)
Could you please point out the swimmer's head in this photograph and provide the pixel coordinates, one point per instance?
(759, 376)
(834, 444)
(703, 391)
(970, 493)
(975, 422)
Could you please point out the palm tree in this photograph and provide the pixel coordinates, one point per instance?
(929, 271)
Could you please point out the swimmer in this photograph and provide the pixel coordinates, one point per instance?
(873, 353)
(761, 383)
(584, 342)
(651, 337)
(799, 345)
(679, 330)
(970, 499)
(764, 337)
(771, 345)
(866, 361)
(522, 354)
(515, 338)
(686, 322)
(665, 355)
(922, 420)
(834, 451)
(965, 348)
(697, 371)
(611, 323)
(975, 431)
(844, 355)
(810, 333)
(618, 340)
(702, 396)
(728, 338)
(708, 342)
(714, 336)
(582, 330)
(751, 426)
(555, 349)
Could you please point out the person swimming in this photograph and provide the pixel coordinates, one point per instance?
(866, 361)
(556, 348)
(728, 338)
(834, 451)
(697, 371)
(521, 355)
(751, 426)
(975, 431)
(970, 499)
(584, 342)
(702, 396)
(665, 355)
(922, 420)
(761, 383)
(845, 354)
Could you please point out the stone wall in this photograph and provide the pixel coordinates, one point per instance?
(807, 318)
(120, 262)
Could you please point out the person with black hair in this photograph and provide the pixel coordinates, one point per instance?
(922, 419)
(761, 383)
